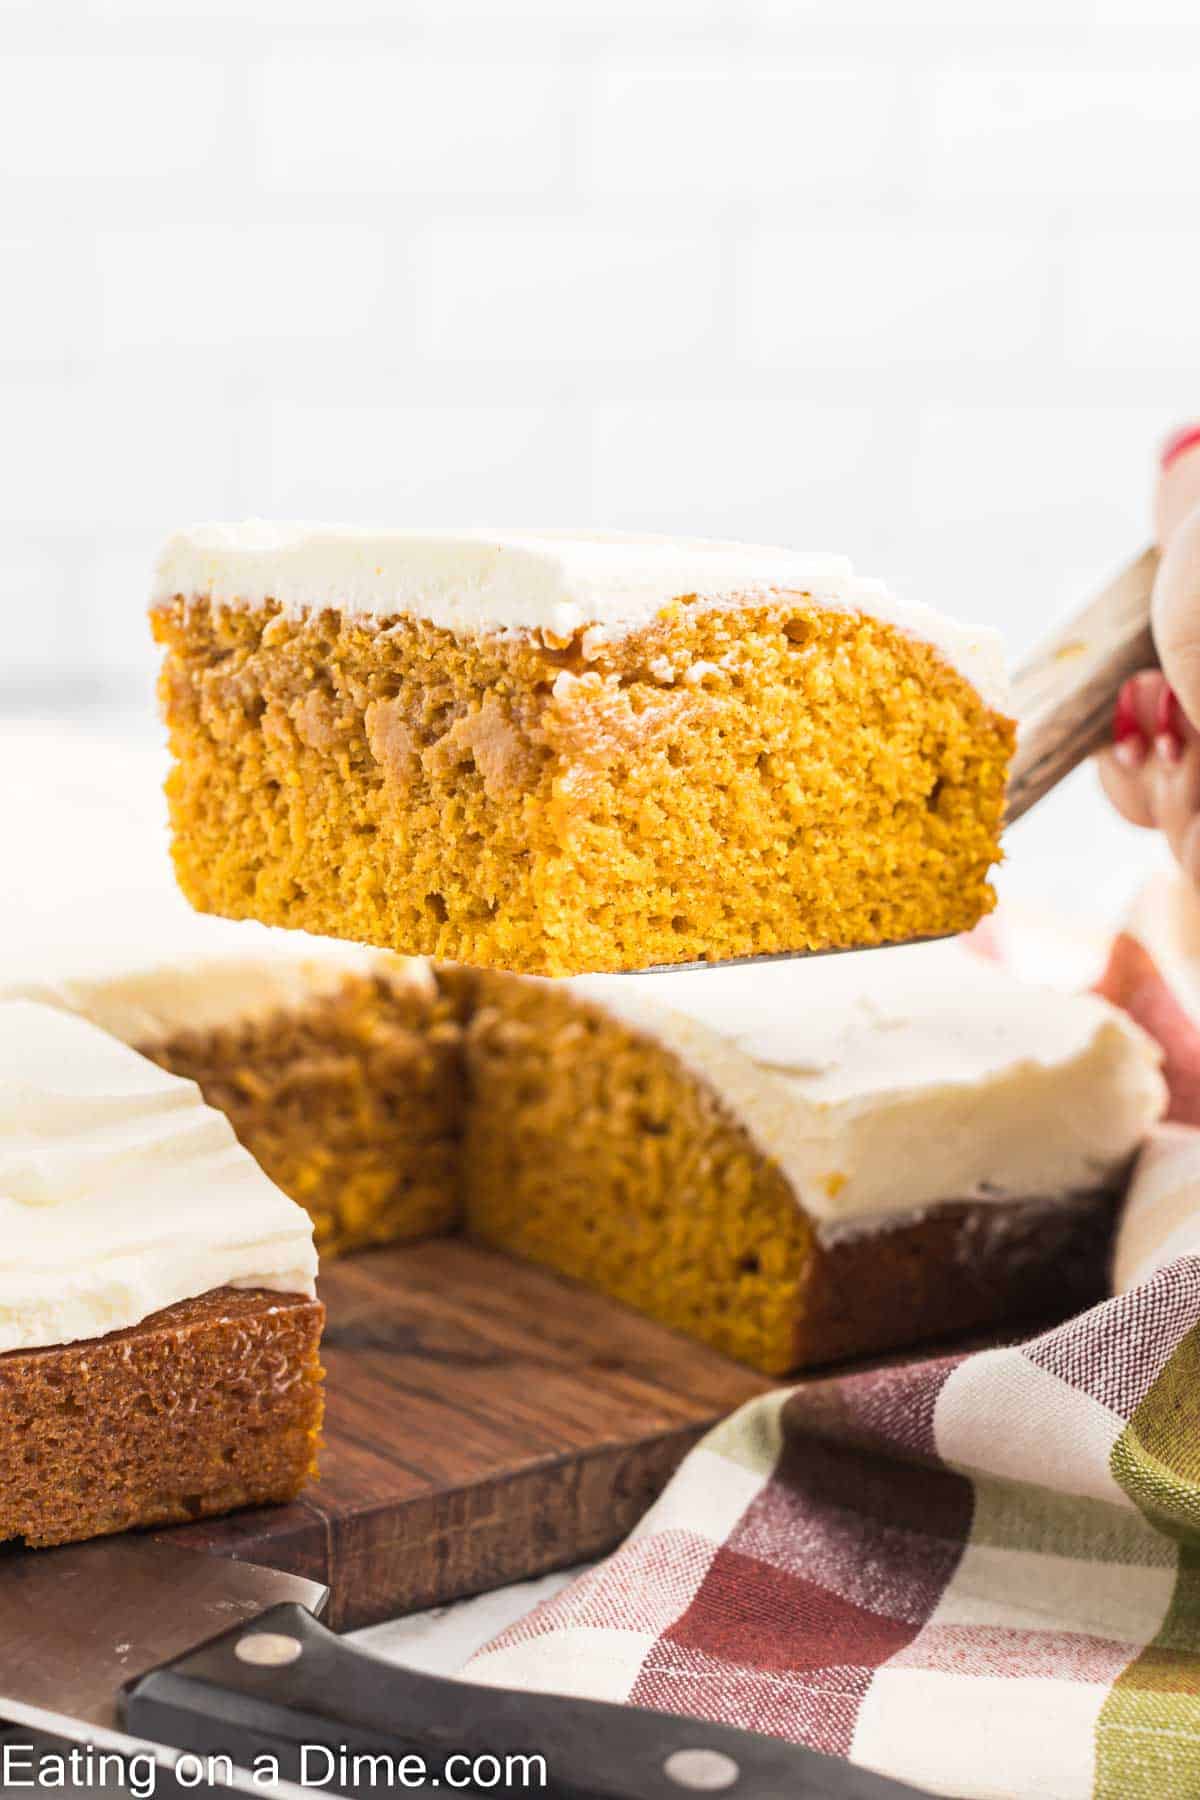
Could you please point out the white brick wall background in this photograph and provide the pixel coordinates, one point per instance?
(916, 281)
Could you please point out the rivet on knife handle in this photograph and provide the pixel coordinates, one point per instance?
(333, 1701)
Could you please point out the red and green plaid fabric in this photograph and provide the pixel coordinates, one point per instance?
(979, 1573)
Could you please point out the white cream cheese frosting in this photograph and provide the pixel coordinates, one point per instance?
(474, 582)
(193, 973)
(885, 1084)
(145, 997)
(121, 1192)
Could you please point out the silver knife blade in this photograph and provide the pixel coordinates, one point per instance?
(78, 1622)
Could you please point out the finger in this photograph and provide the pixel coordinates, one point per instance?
(1126, 788)
(1165, 788)
(1143, 721)
(1175, 613)
(1173, 790)
(1178, 491)
(1139, 708)
(1187, 851)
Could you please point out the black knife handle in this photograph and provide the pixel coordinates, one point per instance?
(331, 1700)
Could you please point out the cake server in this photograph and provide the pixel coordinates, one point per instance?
(1064, 696)
(123, 1644)
(1062, 699)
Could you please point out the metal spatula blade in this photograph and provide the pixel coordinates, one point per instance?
(1063, 700)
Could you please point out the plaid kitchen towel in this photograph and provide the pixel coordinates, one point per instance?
(979, 1573)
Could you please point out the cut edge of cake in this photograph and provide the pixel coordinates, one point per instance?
(208, 1405)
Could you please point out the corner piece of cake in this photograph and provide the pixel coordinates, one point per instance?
(159, 1335)
(555, 753)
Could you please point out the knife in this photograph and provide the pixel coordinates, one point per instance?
(123, 1643)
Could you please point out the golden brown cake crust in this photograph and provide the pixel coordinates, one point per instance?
(723, 783)
(211, 1404)
(961, 1266)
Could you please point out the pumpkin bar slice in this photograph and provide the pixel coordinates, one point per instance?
(557, 753)
(158, 1332)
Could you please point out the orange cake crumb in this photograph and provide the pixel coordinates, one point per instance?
(350, 1103)
(719, 783)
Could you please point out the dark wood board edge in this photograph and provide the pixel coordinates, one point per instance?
(382, 1562)
(470, 1540)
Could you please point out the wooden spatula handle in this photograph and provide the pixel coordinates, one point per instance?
(1064, 695)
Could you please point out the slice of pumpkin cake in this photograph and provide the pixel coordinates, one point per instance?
(159, 1334)
(552, 753)
(819, 1160)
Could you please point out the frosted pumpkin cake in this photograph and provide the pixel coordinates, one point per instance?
(892, 1149)
(554, 753)
(158, 1327)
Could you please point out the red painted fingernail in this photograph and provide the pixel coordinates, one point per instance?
(1128, 742)
(1168, 726)
(1125, 719)
(1186, 438)
(1168, 719)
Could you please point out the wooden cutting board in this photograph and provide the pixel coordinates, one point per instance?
(486, 1422)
